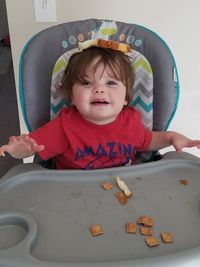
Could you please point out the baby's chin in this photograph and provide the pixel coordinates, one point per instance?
(100, 120)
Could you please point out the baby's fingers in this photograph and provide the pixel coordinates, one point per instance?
(30, 140)
(2, 154)
(195, 143)
(37, 148)
(4, 148)
(19, 138)
(13, 139)
(178, 149)
(34, 146)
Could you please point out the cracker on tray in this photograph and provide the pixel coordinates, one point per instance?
(96, 229)
(152, 241)
(145, 220)
(107, 186)
(167, 237)
(121, 198)
(144, 230)
(131, 228)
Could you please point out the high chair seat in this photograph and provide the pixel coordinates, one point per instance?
(49, 222)
(40, 54)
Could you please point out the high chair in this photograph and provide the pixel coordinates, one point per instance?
(46, 214)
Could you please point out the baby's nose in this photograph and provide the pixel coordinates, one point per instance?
(98, 89)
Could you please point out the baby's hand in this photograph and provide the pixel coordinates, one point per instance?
(180, 141)
(21, 146)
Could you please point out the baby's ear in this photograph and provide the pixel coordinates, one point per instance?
(125, 102)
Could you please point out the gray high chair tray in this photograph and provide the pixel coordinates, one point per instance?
(45, 216)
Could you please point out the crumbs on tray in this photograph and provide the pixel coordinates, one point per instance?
(145, 222)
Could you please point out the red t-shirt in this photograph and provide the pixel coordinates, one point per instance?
(79, 144)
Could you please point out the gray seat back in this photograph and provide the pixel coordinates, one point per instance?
(42, 51)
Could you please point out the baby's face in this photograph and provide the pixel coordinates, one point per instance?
(100, 97)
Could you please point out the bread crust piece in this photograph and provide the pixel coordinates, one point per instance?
(121, 198)
(145, 220)
(114, 45)
(122, 186)
(125, 48)
(131, 228)
(167, 237)
(151, 241)
(106, 186)
(144, 230)
(96, 229)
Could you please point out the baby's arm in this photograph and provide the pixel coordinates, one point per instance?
(178, 141)
(21, 146)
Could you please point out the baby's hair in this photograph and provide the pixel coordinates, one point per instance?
(118, 63)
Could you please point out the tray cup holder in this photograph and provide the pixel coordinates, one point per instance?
(14, 229)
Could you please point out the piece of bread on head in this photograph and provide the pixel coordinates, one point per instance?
(105, 44)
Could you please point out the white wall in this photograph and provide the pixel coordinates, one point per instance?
(176, 21)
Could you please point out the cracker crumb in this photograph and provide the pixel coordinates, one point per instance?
(131, 228)
(106, 186)
(152, 241)
(121, 198)
(145, 220)
(167, 237)
(146, 230)
(96, 229)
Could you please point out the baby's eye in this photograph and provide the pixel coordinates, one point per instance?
(111, 83)
(85, 82)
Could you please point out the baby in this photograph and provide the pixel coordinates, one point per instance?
(100, 129)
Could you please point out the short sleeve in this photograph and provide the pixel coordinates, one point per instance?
(53, 137)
